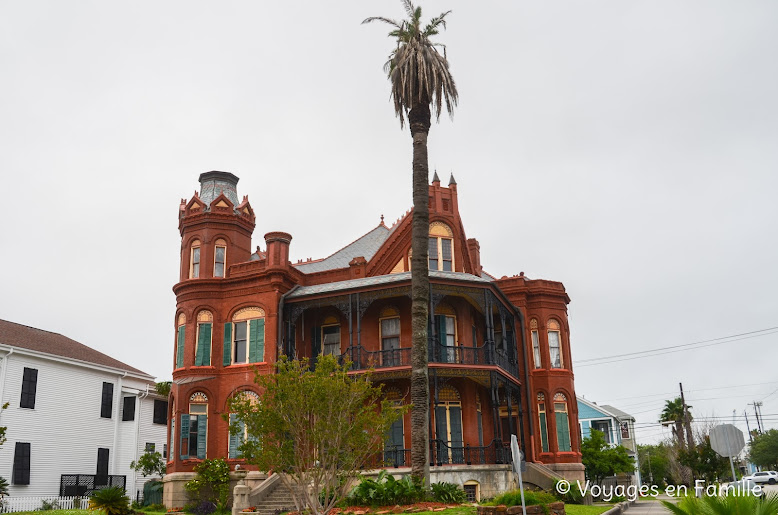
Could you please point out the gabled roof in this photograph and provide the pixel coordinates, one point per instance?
(618, 413)
(598, 411)
(366, 246)
(38, 340)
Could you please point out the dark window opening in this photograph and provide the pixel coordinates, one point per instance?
(128, 409)
(106, 403)
(160, 412)
(21, 466)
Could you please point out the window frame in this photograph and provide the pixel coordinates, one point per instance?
(20, 471)
(245, 316)
(128, 415)
(325, 344)
(555, 327)
(560, 398)
(160, 406)
(204, 317)
(543, 423)
(220, 244)
(195, 259)
(436, 232)
(537, 356)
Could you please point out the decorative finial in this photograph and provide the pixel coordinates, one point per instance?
(435, 177)
(451, 180)
(382, 219)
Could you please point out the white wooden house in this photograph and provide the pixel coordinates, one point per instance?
(76, 417)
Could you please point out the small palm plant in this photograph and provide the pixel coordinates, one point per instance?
(725, 505)
(3, 487)
(111, 500)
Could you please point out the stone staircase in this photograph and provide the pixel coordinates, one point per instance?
(274, 499)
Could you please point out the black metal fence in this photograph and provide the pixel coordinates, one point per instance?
(441, 453)
(85, 484)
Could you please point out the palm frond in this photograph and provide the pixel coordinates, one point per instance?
(432, 27)
(385, 20)
(409, 8)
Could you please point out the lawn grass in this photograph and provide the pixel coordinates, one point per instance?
(580, 509)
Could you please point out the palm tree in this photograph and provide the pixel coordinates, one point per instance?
(419, 78)
(674, 413)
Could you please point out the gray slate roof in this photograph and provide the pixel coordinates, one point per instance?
(351, 284)
(366, 246)
(619, 414)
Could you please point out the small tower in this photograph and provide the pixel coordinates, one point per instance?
(215, 228)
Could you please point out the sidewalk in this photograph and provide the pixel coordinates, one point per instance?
(646, 508)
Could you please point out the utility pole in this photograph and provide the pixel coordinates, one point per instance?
(756, 405)
(686, 420)
(750, 436)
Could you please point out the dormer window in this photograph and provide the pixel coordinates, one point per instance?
(219, 258)
(441, 247)
(194, 263)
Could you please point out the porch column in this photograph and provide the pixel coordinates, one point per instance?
(511, 425)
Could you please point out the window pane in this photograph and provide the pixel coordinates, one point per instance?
(218, 270)
(390, 327)
(196, 255)
(433, 253)
(390, 343)
(220, 254)
(553, 349)
(446, 247)
(240, 342)
(536, 349)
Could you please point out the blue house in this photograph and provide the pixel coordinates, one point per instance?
(617, 426)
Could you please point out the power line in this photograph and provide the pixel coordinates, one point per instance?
(671, 351)
(676, 346)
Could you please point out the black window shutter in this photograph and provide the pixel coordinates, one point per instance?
(106, 405)
(128, 409)
(160, 411)
(21, 466)
(102, 467)
(29, 388)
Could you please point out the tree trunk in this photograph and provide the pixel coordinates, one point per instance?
(419, 118)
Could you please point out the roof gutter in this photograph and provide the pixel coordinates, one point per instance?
(2, 377)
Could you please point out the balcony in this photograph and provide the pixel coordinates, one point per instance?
(486, 354)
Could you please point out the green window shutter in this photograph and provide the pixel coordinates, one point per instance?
(203, 353)
(180, 349)
(562, 432)
(172, 438)
(543, 433)
(234, 439)
(227, 352)
(257, 340)
(184, 440)
(202, 435)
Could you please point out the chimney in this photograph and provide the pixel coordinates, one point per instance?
(278, 249)
(474, 249)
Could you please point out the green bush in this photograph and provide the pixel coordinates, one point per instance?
(48, 505)
(725, 505)
(3, 486)
(385, 490)
(212, 483)
(513, 498)
(573, 496)
(448, 493)
(111, 500)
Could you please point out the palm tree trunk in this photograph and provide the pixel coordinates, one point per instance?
(419, 118)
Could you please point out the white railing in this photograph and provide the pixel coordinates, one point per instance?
(36, 502)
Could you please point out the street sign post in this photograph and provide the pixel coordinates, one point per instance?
(516, 454)
(727, 441)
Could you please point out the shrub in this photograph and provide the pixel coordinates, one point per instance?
(204, 508)
(513, 498)
(725, 505)
(111, 500)
(385, 490)
(47, 505)
(212, 482)
(3, 486)
(573, 496)
(448, 493)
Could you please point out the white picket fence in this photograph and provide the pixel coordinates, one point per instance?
(32, 503)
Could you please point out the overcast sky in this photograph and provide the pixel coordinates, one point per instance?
(628, 149)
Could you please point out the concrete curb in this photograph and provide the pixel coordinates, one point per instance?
(618, 509)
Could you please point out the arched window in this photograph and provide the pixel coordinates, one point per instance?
(446, 333)
(508, 418)
(448, 426)
(204, 329)
(389, 331)
(533, 325)
(562, 422)
(194, 428)
(394, 448)
(247, 334)
(219, 258)
(555, 344)
(479, 416)
(330, 336)
(543, 422)
(238, 433)
(194, 260)
(441, 247)
(180, 340)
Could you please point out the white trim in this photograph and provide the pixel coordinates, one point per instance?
(13, 349)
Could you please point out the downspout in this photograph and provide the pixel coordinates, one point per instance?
(280, 339)
(2, 376)
(115, 447)
(527, 388)
(137, 433)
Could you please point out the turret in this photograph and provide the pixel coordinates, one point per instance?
(215, 228)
